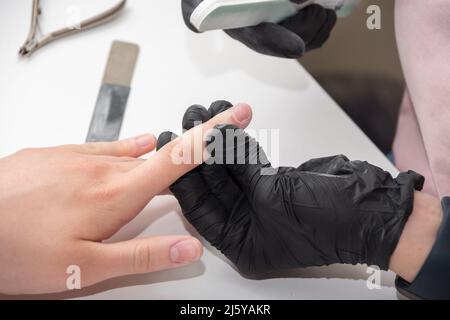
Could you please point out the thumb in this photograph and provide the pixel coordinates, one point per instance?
(144, 255)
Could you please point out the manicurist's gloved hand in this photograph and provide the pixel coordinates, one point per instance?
(326, 211)
(291, 38)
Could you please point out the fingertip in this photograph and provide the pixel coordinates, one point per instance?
(154, 141)
(146, 141)
(219, 106)
(242, 114)
(186, 251)
(164, 138)
(194, 115)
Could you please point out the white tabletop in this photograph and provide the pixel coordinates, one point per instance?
(49, 99)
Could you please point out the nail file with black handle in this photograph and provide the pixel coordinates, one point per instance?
(113, 96)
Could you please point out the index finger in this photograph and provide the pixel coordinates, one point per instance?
(164, 167)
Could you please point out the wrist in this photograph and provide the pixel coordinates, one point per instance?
(418, 237)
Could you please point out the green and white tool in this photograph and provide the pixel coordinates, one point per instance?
(230, 14)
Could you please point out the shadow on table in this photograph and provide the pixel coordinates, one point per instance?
(147, 217)
(191, 271)
(336, 271)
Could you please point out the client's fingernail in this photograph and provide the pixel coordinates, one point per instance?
(145, 140)
(185, 251)
(242, 113)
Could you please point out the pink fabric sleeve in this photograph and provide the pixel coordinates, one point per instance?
(423, 135)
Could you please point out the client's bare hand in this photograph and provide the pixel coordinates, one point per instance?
(58, 204)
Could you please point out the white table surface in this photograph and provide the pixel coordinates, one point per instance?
(49, 99)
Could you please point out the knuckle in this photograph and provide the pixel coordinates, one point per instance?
(92, 169)
(124, 147)
(91, 148)
(142, 258)
(97, 168)
(107, 193)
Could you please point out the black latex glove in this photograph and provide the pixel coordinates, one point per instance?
(328, 210)
(291, 38)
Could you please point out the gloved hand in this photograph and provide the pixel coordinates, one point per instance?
(328, 210)
(307, 30)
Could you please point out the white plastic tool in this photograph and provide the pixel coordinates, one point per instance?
(230, 14)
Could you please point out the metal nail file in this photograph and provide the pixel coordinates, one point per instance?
(113, 96)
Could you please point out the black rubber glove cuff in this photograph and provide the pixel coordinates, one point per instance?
(433, 280)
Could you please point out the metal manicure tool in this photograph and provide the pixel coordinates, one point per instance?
(114, 91)
(33, 43)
